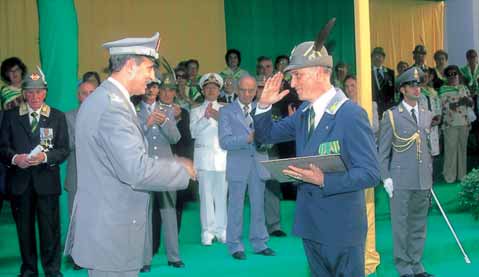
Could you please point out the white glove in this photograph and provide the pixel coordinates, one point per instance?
(388, 186)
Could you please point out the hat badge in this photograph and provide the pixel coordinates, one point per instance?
(35, 77)
(311, 53)
(416, 74)
(212, 78)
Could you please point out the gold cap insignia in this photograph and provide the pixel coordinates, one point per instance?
(35, 77)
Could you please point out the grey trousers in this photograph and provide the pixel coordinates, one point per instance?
(408, 218)
(98, 273)
(272, 198)
(169, 226)
(455, 153)
(258, 235)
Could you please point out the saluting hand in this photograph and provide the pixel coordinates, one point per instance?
(271, 92)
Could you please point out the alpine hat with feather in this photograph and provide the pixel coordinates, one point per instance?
(312, 53)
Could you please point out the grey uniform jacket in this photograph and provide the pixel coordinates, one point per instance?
(159, 137)
(405, 168)
(71, 177)
(108, 226)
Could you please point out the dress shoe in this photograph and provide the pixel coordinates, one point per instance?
(176, 264)
(207, 239)
(146, 268)
(76, 267)
(266, 252)
(424, 274)
(407, 275)
(278, 233)
(239, 255)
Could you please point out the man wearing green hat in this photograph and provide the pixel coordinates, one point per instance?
(330, 208)
(406, 170)
(34, 142)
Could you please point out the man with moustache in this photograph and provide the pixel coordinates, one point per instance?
(108, 228)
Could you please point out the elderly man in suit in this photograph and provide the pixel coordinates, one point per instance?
(157, 119)
(243, 171)
(406, 170)
(108, 227)
(35, 176)
(330, 208)
(210, 161)
(84, 89)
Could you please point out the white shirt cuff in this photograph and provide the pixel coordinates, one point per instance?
(259, 110)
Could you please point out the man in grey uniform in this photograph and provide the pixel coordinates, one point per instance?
(157, 118)
(107, 231)
(406, 170)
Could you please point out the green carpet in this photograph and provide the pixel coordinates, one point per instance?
(442, 257)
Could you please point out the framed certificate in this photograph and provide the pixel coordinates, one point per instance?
(327, 163)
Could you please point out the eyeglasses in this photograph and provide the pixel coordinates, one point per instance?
(451, 74)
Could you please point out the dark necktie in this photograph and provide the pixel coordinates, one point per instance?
(413, 114)
(248, 119)
(34, 123)
(380, 77)
(311, 126)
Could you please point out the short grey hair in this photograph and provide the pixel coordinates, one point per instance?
(117, 62)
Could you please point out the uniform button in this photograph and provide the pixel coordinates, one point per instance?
(154, 127)
(156, 157)
(420, 161)
(418, 131)
(154, 137)
(134, 221)
(155, 147)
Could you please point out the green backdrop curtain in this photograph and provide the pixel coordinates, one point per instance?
(59, 51)
(58, 32)
(273, 28)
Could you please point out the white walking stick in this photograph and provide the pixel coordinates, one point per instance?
(466, 258)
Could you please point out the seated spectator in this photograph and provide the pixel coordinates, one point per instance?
(351, 90)
(13, 70)
(233, 62)
(440, 57)
(92, 77)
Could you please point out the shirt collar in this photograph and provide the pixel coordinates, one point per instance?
(319, 105)
(30, 110)
(146, 105)
(242, 105)
(409, 107)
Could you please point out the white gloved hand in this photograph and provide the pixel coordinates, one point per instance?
(388, 186)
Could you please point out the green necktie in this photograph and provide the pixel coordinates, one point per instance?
(311, 122)
(34, 123)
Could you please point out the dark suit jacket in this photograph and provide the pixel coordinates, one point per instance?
(383, 93)
(336, 213)
(184, 147)
(17, 138)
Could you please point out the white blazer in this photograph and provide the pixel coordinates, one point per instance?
(208, 154)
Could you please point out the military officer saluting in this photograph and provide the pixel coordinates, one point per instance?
(406, 170)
